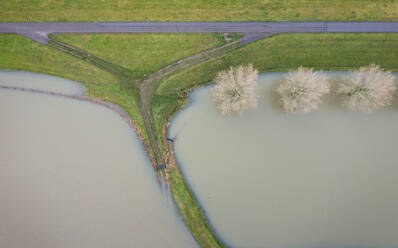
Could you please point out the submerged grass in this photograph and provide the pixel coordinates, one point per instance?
(198, 10)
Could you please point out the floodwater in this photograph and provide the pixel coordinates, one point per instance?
(271, 179)
(74, 174)
(36, 81)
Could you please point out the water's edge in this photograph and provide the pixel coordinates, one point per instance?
(161, 183)
(175, 136)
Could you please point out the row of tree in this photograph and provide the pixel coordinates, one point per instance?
(300, 91)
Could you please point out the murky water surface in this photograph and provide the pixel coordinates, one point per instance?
(74, 174)
(271, 179)
(37, 81)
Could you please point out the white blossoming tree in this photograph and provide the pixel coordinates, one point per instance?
(367, 89)
(301, 90)
(236, 89)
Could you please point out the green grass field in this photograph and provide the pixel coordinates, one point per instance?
(288, 51)
(198, 10)
(142, 53)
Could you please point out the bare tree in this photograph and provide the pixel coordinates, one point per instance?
(301, 90)
(367, 89)
(236, 89)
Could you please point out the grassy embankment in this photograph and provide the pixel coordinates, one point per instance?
(198, 10)
(278, 53)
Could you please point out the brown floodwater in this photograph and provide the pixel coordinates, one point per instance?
(271, 179)
(74, 174)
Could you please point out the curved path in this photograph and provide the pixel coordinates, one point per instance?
(39, 31)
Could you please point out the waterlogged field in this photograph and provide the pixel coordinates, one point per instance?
(271, 179)
(74, 174)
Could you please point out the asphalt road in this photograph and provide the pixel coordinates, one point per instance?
(252, 30)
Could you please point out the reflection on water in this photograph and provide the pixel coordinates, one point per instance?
(271, 179)
(73, 174)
